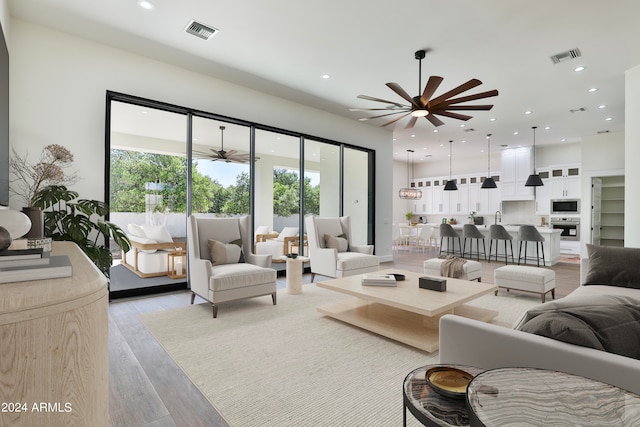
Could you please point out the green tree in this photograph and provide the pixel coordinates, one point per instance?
(237, 201)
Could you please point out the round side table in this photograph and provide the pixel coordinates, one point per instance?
(429, 407)
(294, 273)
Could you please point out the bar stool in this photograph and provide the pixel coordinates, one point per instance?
(498, 232)
(470, 231)
(526, 234)
(447, 231)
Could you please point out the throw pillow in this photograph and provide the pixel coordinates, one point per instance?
(225, 253)
(157, 232)
(144, 241)
(613, 266)
(136, 230)
(287, 232)
(611, 328)
(339, 242)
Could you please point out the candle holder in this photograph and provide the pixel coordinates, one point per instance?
(176, 264)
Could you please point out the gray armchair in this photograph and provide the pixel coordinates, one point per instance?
(334, 261)
(225, 277)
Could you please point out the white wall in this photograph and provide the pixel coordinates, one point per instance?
(58, 86)
(632, 152)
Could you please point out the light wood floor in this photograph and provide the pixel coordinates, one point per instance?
(146, 388)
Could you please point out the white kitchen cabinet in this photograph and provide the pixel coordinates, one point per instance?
(423, 206)
(484, 200)
(543, 194)
(459, 199)
(438, 196)
(515, 167)
(566, 182)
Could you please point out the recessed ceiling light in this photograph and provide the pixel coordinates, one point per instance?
(547, 127)
(462, 125)
(441, 145)
(326, 76)
(601, 106)
(146, 4)
(492, 119)
(516, 133)
(593, 89)
(579, 68)
(413, 135)
(436, 131)
(528, 112)
(609, 119)
(563, 140)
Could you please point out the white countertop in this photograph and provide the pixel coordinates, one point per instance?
(509, 228)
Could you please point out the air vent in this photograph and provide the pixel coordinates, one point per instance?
(565, 56)
(603, 131)
(578, 110)
(203, 31)
(470, 130)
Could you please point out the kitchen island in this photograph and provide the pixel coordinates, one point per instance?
(551, 243)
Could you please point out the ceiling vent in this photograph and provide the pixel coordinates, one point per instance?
(470, 130)
(203, 31)
(603, 131)
(578, 110)
(565, 56)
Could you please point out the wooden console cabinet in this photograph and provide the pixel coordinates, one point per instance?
(54, 348)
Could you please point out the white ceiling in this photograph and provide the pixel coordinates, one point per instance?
(284, 46)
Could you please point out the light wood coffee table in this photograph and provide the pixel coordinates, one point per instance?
(405, 313)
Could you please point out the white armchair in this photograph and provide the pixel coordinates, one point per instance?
(223, 276)
(331, 251)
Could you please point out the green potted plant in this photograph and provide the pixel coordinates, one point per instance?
(67, 218)
(472, 217)
(408, 216)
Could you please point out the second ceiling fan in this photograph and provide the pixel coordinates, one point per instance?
(424, 106)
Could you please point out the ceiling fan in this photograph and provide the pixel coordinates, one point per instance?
(231, 156)
(427, 107)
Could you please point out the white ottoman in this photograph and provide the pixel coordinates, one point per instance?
(528, 279)
(472, 269)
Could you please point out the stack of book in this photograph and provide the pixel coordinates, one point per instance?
(18, 265)
(373, 279)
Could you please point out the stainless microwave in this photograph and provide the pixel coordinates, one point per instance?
(565, 206)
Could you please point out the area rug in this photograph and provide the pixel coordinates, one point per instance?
(287, 365)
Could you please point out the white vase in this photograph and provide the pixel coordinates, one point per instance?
(16, 223)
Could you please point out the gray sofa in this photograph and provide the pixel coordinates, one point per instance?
(469, 342)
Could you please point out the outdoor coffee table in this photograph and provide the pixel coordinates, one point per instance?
(405, 313)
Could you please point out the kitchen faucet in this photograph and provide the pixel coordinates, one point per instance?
(497, 217)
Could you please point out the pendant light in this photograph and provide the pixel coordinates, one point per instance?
(489, 182)
(451, 184)
(534, 179)
(409, 192)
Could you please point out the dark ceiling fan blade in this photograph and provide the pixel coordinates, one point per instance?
(434, 120)
(452, 115)
(371, 98)
(411, 123)
(455, 91)
(364, 119)
(231, 153)
(463, 107)
(390, 108)
(429, 89)
(395, 120)
(215, 152)
(473, 97)
(403, 94)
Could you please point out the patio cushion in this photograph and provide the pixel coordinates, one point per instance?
(157, 232)
(234, 276)
(287, 232)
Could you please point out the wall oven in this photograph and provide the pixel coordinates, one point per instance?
(570, 227)
(565, 206)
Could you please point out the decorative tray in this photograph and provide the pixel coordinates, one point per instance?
(448, 382)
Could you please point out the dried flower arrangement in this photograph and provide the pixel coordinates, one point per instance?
(30, 178)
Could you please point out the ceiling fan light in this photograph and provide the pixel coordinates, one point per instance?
(450, 185)
(489, 183)
(534, 180)
(420, 113)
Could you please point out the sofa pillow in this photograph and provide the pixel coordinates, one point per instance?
(287, 232)
(613, 266)
(263, 229)
(136, 230)
(225, 253)
(157, 232)
(611, 328)
(339, 242)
